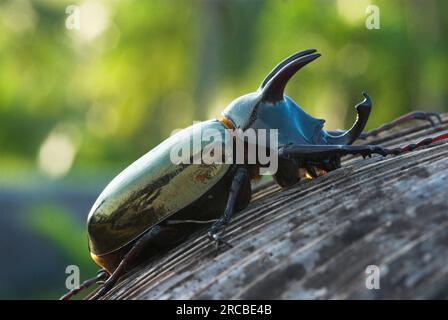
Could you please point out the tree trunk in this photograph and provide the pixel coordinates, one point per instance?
(316, 239)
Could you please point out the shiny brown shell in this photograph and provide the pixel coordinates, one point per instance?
(152, 189)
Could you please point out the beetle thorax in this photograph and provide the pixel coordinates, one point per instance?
(241, 110)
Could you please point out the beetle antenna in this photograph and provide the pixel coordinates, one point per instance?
(170, 222)
(275, 87)
(284, 63)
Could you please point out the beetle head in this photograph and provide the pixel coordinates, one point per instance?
(242, 112)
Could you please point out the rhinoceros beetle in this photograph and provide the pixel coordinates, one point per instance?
(154, 204)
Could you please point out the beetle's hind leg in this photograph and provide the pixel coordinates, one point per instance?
(240, 178)
(101, 276)
(152, 235)
(416, 115)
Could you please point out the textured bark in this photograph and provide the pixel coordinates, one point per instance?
(316, 239)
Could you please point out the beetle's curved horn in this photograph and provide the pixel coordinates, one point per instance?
(348, 137)
(284, 63)
(274, 88)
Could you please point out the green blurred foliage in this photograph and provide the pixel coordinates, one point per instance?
(139, 69)
(52, 221)
(69, 235)
(94, 99)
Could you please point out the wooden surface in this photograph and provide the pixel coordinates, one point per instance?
(315, 240)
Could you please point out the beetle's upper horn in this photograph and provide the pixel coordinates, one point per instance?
(274, 84)
(284, 63)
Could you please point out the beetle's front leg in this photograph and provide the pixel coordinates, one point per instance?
(416, 115)
(431, 117)
(323, 152)
(318, 152)
(218, 227)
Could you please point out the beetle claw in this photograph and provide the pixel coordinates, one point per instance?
(217, 239)
(438, 118)
(428, 116)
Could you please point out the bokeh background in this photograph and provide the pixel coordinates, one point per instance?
(78, 106)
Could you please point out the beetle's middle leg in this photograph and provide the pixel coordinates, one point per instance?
(241, 176)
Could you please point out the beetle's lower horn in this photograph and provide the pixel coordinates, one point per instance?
(363, 108)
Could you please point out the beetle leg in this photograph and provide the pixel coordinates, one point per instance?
(218, 240)
(323, 152)
(416, 115)
(413, 146)
(311, 170)
(130, 256)
(288, 172)
(219, 226)
(316, 152)
(101, 276)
